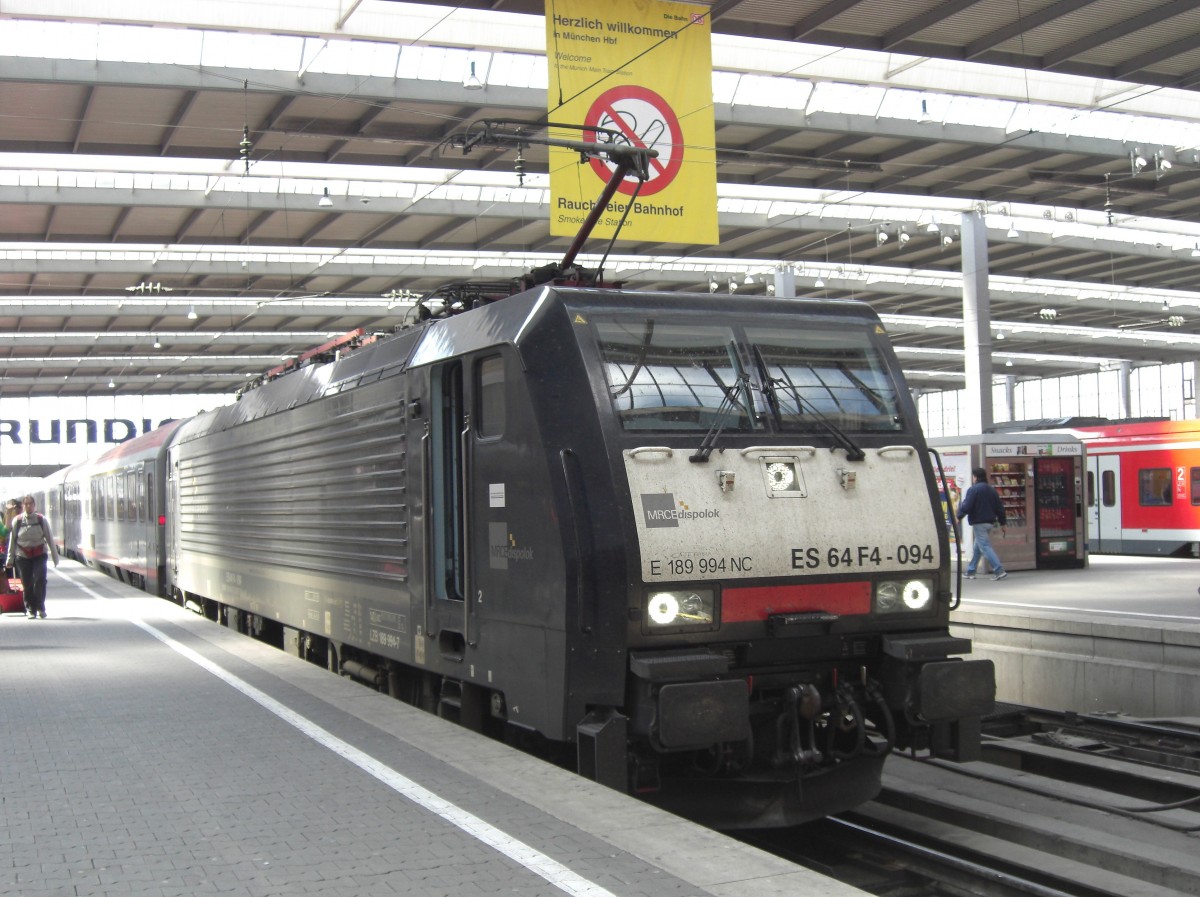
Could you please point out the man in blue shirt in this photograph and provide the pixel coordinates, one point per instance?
(984, 510)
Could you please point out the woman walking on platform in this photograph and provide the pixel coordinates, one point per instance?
(27, 546)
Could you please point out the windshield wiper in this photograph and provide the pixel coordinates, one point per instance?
(853, 452)
(724, 410)
(643, 350)
(872, 396)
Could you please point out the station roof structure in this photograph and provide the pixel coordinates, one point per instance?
(192, 193)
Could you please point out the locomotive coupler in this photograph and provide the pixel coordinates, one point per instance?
(848, 724)
(801, 703)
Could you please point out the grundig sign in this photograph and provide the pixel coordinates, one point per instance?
(80, 431)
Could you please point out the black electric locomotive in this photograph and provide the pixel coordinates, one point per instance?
(698, 540)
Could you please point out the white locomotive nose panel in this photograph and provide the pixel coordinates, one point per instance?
(773, 511)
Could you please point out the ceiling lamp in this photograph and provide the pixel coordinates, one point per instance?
(1136, 162)
(820, 282)
(1012, 231)
(111, 384)
(881, 237)
(192, 313)
(325, 201)
(472, 82)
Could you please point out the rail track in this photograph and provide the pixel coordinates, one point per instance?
(1062, 805)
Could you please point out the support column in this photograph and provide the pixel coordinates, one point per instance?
(785, 282)
(1010, 395)
(1192, 370)
(976, 414)
(1123, 380)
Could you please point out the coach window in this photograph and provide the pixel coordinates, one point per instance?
(1194, 485)
(1108, 488)
(1090, 488)
(132, 505)
(489, 393)
(1154, 487)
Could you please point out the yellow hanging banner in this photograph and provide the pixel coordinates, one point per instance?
(641, 68)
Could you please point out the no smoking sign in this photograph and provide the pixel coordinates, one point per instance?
(645, 120)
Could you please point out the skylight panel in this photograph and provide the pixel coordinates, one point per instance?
(978, 112)
(1108, 125)
(408, 66)
(254, 51)
(771, 92)
(445, 64)
(369, 58)
(1041, 119)
(32, 38)
(1169, 132)
(515, 70)
(850, 99)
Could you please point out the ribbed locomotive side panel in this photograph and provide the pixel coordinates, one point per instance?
(302, 516)
(313, 488)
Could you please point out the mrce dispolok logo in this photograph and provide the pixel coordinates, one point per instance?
(661, 509)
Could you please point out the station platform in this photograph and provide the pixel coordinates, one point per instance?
(148, 751)
(1121, 635)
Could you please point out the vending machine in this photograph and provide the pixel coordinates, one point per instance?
(1039, 478)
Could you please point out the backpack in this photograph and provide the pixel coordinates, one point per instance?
(40, 548)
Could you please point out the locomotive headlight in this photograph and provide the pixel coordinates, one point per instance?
(893, 596)
(780, 476)
(916, 594)
(663, 609)
(684, 607)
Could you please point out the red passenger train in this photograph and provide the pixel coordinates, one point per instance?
(1143, 487)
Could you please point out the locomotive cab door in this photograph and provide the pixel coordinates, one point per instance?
(445, 449)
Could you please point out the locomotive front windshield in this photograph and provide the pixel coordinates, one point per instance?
(674, 376)
(671, 376)
(811, 374)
